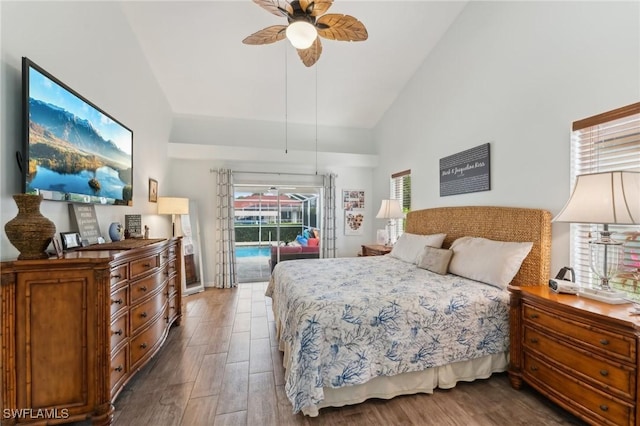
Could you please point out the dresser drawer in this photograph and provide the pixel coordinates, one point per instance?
(147, 311)
(602, 408)
(119, 367)
(596, 338)
(142, 288)
(119, 330)
(172, 308)
(613, 376)
(119, 274)
(119, 300)
(145, 343)
(172, 286)
(143, 265)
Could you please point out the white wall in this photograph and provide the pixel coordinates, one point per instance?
(515, 74)
(90, 47)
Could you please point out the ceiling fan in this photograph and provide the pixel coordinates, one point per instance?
(306, 21)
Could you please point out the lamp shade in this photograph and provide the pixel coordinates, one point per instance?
(173, 205)
(607, 198)
(390, 209)
(301, 34)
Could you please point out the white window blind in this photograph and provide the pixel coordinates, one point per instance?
(602, 143)
(400, 190)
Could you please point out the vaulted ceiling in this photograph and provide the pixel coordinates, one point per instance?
(196, 52)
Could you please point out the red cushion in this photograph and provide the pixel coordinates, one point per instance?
(287, 249)
(309, 249)
(313, 242)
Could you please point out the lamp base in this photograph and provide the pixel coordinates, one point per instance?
(611, 297)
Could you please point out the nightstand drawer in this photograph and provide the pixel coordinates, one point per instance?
(597, 339)
(616, 377)
(600, 407)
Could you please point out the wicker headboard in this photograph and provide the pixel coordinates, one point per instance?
(495, 223)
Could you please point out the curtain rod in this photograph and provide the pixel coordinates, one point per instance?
(273, 173)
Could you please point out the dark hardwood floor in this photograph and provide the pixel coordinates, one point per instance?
(221, 366)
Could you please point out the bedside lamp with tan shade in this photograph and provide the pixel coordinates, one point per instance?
(173, 206)
(604, 198)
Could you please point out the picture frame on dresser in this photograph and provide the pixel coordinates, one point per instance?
(70, 240)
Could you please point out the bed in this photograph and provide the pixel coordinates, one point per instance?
(352, 329)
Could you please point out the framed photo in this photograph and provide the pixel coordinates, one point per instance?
(352, 199)
(353, 221)
(153, 190)
(57, 247)
(70, 240)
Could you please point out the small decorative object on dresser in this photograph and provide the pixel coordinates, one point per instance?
(30, 232)
(580, 353)
(115, 231)
(375, 250)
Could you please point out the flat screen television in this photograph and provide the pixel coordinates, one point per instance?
(73, 151)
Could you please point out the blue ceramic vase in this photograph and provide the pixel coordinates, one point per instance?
(115, 231)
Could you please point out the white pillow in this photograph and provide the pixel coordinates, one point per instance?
(409, 246)
(488, 261)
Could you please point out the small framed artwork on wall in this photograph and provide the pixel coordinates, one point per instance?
(153, 190)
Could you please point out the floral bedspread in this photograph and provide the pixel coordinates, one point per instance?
(348, 320)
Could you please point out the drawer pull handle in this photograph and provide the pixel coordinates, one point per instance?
(166, 273)
(604, 373)
(118, 301)
(143, 315)
(603, 407)
(533, 316)
(143, 346)
(118, 333)
(118, 368)
(534, 368)
(116, 276)
(143, 288)
(604, 342)
(146, 265)
(534, 340)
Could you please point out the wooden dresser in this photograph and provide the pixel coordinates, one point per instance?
(76, 329)
(580, 353)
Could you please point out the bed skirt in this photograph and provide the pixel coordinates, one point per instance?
(444, 377)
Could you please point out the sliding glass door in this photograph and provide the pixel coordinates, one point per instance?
(273, 224)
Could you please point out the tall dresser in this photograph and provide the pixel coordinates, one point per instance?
(580, 353)
(76, 329)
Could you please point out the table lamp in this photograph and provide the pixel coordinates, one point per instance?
(389, 209)
(604, 198)
(173, 206)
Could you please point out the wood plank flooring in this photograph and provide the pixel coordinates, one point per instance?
(221, 366)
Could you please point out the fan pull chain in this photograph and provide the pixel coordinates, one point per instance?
(316, 119)
(286, 102)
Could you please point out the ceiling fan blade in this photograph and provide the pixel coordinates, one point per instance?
(341, 27)
(277, 7)
(311, 55)
(267, 35)
(318, 7)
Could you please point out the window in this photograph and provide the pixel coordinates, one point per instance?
(400, 190)
(602, 143)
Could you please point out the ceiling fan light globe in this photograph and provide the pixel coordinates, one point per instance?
(301, 34)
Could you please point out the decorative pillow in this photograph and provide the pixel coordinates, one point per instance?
(435, 259)
(409, 246)
(487, 261)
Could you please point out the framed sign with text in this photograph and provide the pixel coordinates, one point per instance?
(466, 171)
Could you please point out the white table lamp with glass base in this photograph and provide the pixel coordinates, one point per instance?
(604, 198)
(389, 209)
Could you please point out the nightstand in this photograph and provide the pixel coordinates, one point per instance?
(375, 250)
(580, 353)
